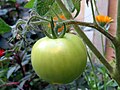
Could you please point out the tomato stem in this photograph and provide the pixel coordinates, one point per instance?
(93, 13)
(47, 34)
(54, 30)
(92, 25)
(54, 36)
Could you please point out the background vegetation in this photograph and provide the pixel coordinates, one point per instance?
(17, 39)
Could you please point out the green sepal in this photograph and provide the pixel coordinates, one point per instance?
(52, 29)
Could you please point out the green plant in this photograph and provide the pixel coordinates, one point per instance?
(114, 71)
(43, 18)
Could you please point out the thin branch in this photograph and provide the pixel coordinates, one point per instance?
(37, 17)
(93, 13)
(117, 46)
(92, 25)
(9, 84)
(96, 8)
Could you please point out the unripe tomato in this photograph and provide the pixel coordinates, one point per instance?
(60, 60)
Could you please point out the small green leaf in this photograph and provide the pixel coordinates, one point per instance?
(10, 71)
(43, 6)
(4, 27)
(30, 4)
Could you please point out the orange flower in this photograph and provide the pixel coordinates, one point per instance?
(56, 19)
(103, 19)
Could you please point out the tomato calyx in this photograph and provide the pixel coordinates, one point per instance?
(54, 30)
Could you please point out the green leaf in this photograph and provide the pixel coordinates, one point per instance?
(43, 6)
(4, 27)
(10, 71)
(30, 4)
(77, 4)
(69, 5)
(55, 10)
(13, 0)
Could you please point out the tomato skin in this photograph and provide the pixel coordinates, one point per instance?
(59, 60)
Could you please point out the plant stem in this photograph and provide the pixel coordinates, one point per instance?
(93, 13)
(117, 46)
(118, 21)
(117, 53)
(37, 17)
(85, 38)
(94, 49)
(18, 59)
(96, 7)
(88, 79)
(92, 25)
(93, 69)
(102, 41)
(116, 74)
(9, 84)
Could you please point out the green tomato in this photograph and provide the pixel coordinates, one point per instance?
(60, 60)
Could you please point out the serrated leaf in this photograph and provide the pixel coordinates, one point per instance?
(43, 6)
(77, 5)
(69, 5)
(30, 4)
(4, 27)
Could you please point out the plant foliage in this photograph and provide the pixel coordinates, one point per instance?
(16, 72)
(4, 27)
(43, 6)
